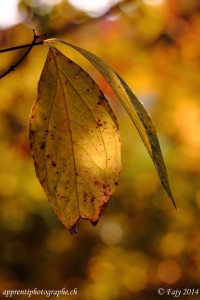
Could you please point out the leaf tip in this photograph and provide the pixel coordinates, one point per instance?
(73, 229)
(174, 203)
(94, 223)
(176, 206)
(172, 199)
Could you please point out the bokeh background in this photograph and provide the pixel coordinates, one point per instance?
(141, 242)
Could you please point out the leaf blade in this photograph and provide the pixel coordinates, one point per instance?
(72, 129)
(135, 110)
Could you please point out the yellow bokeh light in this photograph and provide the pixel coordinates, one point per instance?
(129, 278)
(154, 2)
(173, 243)
(99, 269)
(111, 233)
(187, 116)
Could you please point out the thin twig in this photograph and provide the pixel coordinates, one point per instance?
(13, 66)
(20, 47)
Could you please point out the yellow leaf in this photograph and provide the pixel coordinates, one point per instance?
(74, 141)
(134, 108)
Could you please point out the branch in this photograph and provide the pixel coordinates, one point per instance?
(20, 47)
(13, 66)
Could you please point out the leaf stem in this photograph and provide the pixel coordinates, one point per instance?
(13, 66)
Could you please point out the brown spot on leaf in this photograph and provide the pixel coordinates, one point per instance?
(92, 199)
(53, 164)
(36, 164)
(101, 98)
(32, 131)
(85, 196)
(42, 145)
(99, 124)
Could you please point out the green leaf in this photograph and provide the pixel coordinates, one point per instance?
(74, 141)
(136, 111)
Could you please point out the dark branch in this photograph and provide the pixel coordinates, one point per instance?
(13, 66)
(20, 47)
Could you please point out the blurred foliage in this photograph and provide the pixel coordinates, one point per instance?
(141, 242)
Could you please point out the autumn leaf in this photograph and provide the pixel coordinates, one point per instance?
(74, 141)
(135, 110)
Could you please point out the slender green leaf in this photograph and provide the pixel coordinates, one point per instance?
(74, 141)
(136, 111)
